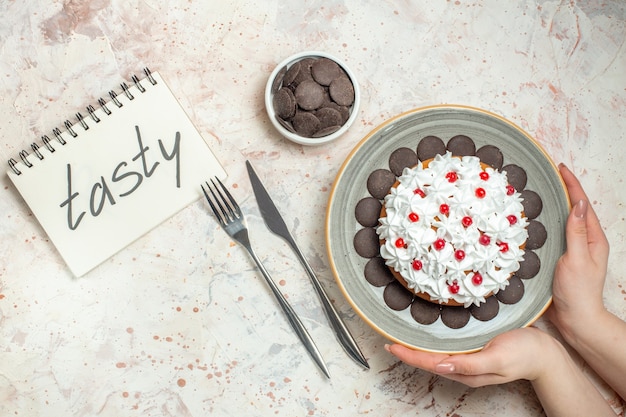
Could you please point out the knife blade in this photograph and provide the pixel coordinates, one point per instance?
(276, 224)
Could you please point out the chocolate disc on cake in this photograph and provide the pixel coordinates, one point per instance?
(532, 204)
(380, 182)
(455, 317)
(429, 147)
(462, 145)
(491, 155)
(530, 266)
(366, 242)
(397, 297)
(537, 235)
(487, 310)
(377, 273)
(516, 175)
(513, 292)
(424, 312)
(402, 158)
(367, 211)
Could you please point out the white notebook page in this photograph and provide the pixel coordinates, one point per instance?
(119, 178)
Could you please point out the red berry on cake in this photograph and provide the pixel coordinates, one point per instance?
(454, 288)
(484, 240)
(417, 264)
(467, 221)
(439, 244)
(510, 190)
(400, 243)
(419, 192)
(459, 255)
(512, 219)
(484, 176)
(477, 279)
(504, 247)
(480, 192)
(444, 209)
(414, 217)
(452, 176)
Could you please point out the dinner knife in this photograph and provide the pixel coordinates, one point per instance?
(276, 224)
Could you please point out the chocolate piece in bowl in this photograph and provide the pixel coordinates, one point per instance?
(325, 71)
(305, 123)
(309, 95)
(325, 131)
(285, 103)
(342, 91)
(291, 74)
(329, 117)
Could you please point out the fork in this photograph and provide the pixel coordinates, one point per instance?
(231, 219)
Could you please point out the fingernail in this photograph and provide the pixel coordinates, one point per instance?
(580, 210)
(444, 368)
(388, 348)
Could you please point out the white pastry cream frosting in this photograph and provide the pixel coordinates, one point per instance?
(453, 229)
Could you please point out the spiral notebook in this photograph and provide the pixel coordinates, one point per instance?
(110, 176)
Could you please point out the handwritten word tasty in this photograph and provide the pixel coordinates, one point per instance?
(122, 182)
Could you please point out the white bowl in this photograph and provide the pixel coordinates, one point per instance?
(272, 86)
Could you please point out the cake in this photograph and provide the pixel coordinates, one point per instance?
(452, 230)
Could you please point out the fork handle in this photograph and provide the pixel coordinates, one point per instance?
(293, 318)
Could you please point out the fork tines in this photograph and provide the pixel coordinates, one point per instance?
(229, 212)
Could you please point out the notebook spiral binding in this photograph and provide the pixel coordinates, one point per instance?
(26, 157)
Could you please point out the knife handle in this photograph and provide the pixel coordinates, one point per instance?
(343, 334)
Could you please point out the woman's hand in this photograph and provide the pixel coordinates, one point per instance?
(526, 353)
(517, 354)
(580, 273)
